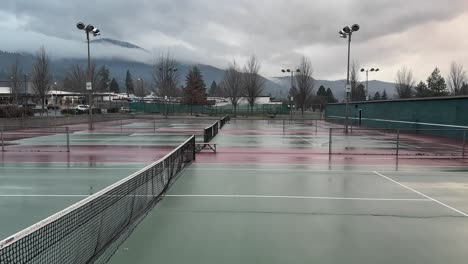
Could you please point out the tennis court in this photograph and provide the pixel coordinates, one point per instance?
(39, 178)
(272, 193)
(263, 198)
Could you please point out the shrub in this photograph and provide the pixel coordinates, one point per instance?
(12, 111)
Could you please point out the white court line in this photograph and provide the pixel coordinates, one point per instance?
(272, 169)
(232, 196)
(291, 197)
(65, 168)
(420, 193)
(318, 164)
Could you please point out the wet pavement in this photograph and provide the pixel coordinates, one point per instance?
(279, 197)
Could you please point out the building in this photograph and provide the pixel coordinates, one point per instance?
(5, 95)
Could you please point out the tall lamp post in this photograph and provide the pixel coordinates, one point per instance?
(89, 29)
(292, 85)
(367, 79)
(347, 32)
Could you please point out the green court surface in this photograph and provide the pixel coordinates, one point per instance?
(239, 213)
(30, 192)
(268, 195)
(102, 139)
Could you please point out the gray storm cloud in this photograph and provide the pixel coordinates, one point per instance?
(278, 32)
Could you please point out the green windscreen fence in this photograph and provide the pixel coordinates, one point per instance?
(172, 108)
(437, 116)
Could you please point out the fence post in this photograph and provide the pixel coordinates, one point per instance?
(464, 143)
(397, 143)
(316, 126)
(68, 138)
(121, 126)
(1, 136)
(330, 142)
(154, 125)
(283, 126)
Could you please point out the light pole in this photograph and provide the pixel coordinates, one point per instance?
(367, 79)
(89, 86)
(292, 85)
(347, 32)
(140, 89)
(14, 88)
(25, 100)
(108, 90)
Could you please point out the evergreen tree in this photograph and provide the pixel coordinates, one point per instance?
(321, 91)
(103, 79)
(129, 83)
(330, 96)
(421, 90)
(464, 88)
(377, 96)
(359, 93)
(114, 86)
(436, 84)
(213, 89)
(195, 88)
(384, 95)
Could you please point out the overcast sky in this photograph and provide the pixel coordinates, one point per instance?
(420, 34)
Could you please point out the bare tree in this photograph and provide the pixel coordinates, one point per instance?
(165, 76)
(232, 84)
(253, 83)
(15, 78)
(456, 79)
(305, 85)
(404, 83)
(358, 92)
(77, 78)
(41, 78)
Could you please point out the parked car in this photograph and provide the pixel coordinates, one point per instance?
(82, 108)
(125, 109)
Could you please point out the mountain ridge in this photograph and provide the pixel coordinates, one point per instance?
(277, 87)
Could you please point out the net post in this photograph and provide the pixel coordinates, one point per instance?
(464, 143)
(67, 130)
(283, 126)
(330, 141)
(121, 126)
(316, 126)
(1, 138)
(154, 125)
(194, 148)
(397, 143)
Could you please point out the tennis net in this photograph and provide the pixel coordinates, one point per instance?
(210, 132)
(223, 121)
(91, 230)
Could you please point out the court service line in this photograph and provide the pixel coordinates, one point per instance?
(420, 193)
(273, 169)
(233, 196)
(70, 168)
(294, 197)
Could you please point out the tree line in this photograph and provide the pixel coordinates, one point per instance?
(435, 84)
(238, 82)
